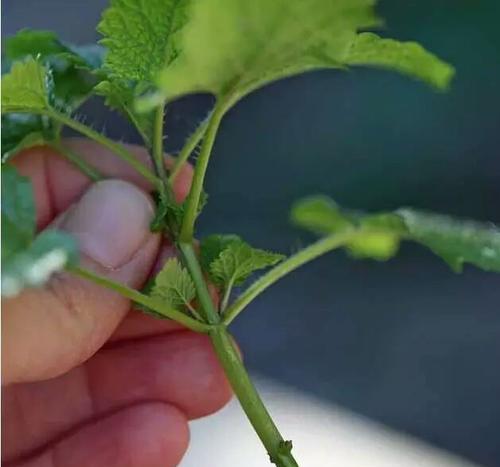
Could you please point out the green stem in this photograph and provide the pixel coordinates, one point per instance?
(293, 262)
(117, 148)
(157, 148)
(92, 173)
(189, 147)
(204, 297)
(186, 235)
(279, 450)
(227, 294)
(138, 297)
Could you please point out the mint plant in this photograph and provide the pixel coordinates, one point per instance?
(154, 52)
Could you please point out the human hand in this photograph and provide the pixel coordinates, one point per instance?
(87, 382)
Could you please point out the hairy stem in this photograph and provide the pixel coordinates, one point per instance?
(189, 147)
(117, 148)
(138, 297)
(204, 297)
(279, 450)
(293, 262)
(157, 145)
(193, 200)
(84, 167)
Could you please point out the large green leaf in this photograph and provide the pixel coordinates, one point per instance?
(377, 236)
(234, 45)
(230, 47)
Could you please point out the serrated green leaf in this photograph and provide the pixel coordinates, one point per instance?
(231, 46)
(26, 260)
(212, 246)
(139, 37)
(238, 260)
(378, 236)
(26, 87)
(71, 66)
(408, 58)
(173, 285)
(456, 241)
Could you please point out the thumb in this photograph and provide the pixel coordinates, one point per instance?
(45, 332)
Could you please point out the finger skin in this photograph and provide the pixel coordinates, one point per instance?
(147, 435)
(57, 183)
(47, 331)
(179, 368)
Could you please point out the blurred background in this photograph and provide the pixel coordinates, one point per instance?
(407, 343)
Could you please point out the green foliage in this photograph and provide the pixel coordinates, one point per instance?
(378, 236)
(231, 260)
(139, 37)
(173, 285)
(456, 241)
(70, 66)
(26, 87)
(66, 72)
(230, 47)
(212, 246)
(22, 131)
(26, 260)
(408, 58)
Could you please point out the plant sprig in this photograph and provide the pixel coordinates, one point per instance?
(154, 52)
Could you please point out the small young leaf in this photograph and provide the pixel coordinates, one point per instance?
(173, 285)
(408, 58)
(26, 87)
(26, 260)
(238, 260)
(378, 236)
(212, 246)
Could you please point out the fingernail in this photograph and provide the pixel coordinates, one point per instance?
(110, 222)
